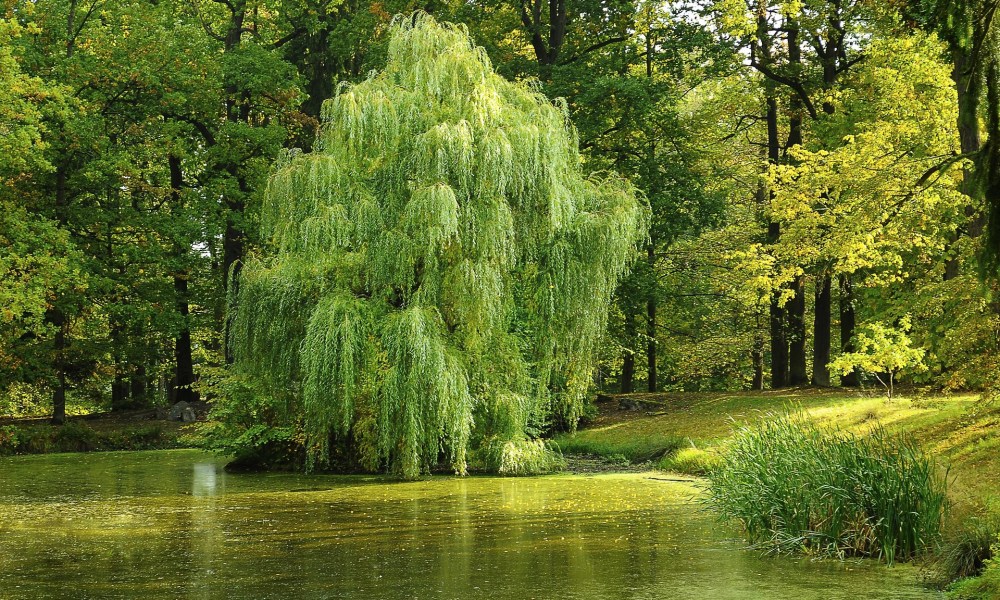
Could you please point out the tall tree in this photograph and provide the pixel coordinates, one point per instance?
(893, 215)
(40, 269)
(804, 49)
(468, 275)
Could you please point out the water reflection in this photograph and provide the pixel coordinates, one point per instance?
(203, 479)
(173, 525)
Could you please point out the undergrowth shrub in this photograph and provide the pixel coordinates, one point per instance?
(76, 436)
(36, 440)
(637, 450)
(144, 437)
(24, 400)
(9, 440)
(967, 549)
(793, 487)
(690, 461)
(251, 423)
(517, 458)
(984, 587)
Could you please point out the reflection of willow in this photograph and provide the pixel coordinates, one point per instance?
(208, 538)
(538, 536)
(438, 271)
(457, 561)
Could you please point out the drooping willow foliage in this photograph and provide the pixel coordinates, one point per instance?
(439, 269)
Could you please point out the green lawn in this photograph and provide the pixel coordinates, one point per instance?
(960, 430)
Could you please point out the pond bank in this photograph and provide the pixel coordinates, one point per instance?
(961, 432)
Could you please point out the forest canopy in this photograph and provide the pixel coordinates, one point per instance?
(393, 242)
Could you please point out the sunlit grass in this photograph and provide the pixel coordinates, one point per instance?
(960, 430)
(635, 450)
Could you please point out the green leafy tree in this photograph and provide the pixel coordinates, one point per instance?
(40, 269)
(438, 272)
(883, 351)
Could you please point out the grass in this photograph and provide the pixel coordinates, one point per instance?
(967, 548)
(636, 450)
(691, 461)
(985, 587)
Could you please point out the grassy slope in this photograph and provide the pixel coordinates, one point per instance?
(959, 430)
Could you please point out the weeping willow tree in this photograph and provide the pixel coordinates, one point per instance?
(438, 270)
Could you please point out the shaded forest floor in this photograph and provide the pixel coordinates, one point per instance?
(960, 430)
(125, 430)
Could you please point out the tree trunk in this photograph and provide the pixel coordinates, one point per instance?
(651, 345)
(59, 391)
(184, 365)
(847, 324)
(546, 48)
(183, 362)
(57, 318)
(119, 385)
(967, 86)
(779, 343)
(119, 388)
(237, 111)
(757, 349)
(628, 357)
(757, 359)
(991, 162)
(138, 386)
(651, 328)
(969, 134)
(797, 373)
(320, 74)
(821, 334)
(796, 308)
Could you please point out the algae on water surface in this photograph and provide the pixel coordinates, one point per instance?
(171, 524)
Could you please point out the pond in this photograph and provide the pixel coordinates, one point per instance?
(172, 524)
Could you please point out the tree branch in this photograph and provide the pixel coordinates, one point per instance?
(206, 25)
(794, 84)
(291, 35)
(592, 48)
(86, 17)
(201, 127)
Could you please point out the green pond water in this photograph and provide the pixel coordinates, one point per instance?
(174, 525)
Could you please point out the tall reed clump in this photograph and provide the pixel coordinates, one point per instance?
(793, 487)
